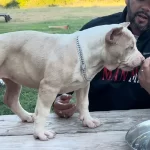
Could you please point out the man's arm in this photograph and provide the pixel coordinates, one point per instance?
(144, 75)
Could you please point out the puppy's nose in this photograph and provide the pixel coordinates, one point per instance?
(142, 59)
(138, 61)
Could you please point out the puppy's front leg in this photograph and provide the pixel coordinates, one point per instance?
(46, 97)
(82, 106)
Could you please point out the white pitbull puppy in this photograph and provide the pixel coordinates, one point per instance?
(61, 63)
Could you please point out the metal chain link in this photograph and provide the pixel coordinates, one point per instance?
(82, 63)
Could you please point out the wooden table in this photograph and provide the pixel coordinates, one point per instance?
(71, 135)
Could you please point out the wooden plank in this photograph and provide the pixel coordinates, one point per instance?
(79, 141)
(16, 135)
(111, 121)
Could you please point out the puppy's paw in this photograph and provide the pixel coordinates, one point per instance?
(28, 117)
(91, 122)
(45, 135)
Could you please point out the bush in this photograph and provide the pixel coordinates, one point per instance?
(44, 3)
(3, 3)
(12, 4)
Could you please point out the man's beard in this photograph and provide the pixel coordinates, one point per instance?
(133, 22)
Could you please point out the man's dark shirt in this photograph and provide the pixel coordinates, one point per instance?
(118, 90)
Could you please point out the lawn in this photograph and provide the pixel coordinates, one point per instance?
(39, 19)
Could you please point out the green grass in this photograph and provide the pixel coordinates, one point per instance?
(27, 99)
(75, 24)
(39, 20)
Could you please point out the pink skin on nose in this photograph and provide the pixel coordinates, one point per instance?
(137, 61)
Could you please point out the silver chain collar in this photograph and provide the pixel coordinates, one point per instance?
(82, 62)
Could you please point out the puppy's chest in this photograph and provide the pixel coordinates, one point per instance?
(79, 84)
(73, 86)
(76, 81)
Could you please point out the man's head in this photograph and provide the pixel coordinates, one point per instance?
(138, 14)
(120, 49)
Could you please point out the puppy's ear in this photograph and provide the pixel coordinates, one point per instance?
(112, 34)
(125, 24)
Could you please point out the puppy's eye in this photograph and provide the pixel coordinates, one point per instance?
(131, 47)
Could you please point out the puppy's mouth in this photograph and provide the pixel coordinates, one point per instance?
(126, 68)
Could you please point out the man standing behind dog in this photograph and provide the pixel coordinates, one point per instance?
(119, 90)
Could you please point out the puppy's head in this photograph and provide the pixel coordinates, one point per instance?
(120, 49)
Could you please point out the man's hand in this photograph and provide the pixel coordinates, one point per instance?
(144, 75)
(63, 107)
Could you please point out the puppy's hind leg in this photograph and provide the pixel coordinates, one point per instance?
(11, 99)
(82, 106)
